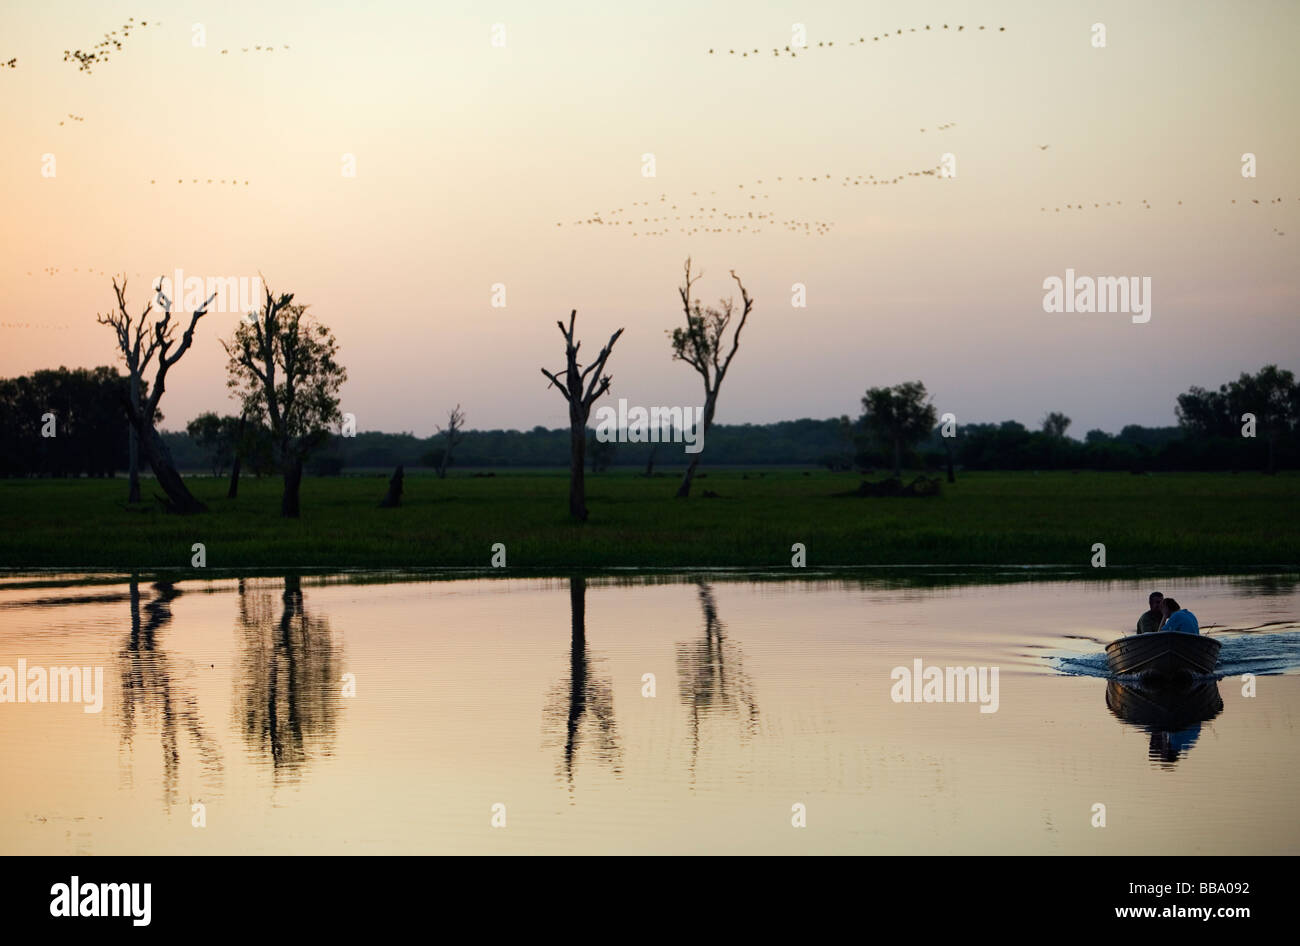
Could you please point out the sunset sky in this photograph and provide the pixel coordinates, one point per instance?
(468, 155)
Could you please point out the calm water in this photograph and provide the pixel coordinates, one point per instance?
(531, 694)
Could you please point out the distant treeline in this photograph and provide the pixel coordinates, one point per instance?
(71, 423)
(61, 422)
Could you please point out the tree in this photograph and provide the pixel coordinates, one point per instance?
(138, 346)
(237, 461)
(1055, 424)
(901, 416)
(580, 395)
(455, 424)
(699, 343)
(217, 435)
(283, 367)
(1271, 395)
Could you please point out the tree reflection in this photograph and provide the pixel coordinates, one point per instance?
(583, 708)
(711, 679)
(153, 695)
(289, 684)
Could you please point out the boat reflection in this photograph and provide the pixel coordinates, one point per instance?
(1171, 715)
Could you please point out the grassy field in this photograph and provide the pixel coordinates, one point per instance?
(1216, 522)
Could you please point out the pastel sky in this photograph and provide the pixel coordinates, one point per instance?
(469, 154)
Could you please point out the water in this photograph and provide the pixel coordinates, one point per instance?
(528, 693)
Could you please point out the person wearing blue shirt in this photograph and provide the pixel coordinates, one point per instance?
(1178, 619)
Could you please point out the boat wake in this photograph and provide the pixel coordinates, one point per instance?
(1262, 654)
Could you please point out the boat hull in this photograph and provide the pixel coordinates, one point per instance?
(1165, 654)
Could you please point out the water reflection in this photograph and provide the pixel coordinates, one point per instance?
(152, 694)
(1172, 716)
(583, 706)
(711, 679)
(287, 689)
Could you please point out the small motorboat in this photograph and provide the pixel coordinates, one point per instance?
(1163, 655)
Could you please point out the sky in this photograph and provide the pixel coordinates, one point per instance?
(467, 155)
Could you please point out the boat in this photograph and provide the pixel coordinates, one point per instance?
(1163, 654)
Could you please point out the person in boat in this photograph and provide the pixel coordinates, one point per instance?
(1178, 619)
(1153, 617)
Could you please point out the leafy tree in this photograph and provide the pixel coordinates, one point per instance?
(217, 436)
(1055, 424)
(700, 344)
(283, 367)
(899, 416)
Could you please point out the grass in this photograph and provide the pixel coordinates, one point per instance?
(1204, 521)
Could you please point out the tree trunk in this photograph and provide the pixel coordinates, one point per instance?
(710, 401)
(292, 484)
(133, 448)
(650, 464)
(233, 492)
(394, 497)
(180, 499)
(577, 463)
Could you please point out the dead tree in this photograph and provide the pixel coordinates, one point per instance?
(650, 463)
(580, 399)
(138, 345)
(455, 424)
(700, 345)
(394, 497)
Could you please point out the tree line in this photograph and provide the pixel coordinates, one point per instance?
(284, 372)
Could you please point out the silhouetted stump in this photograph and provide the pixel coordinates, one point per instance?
(394, 497)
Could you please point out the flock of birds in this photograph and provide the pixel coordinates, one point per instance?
(55, 270)
(111, 43)
(1147, 205)
(861, 41)
(199, 180)
(11, 64)
(60, 327)
(255, 49)
(705, 219)
(75, 118)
